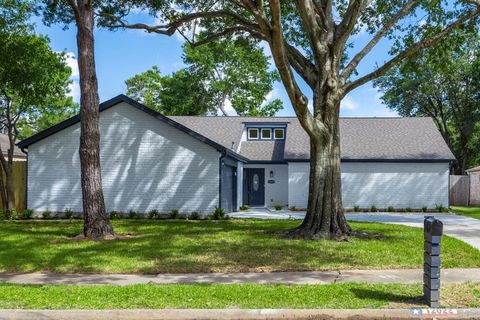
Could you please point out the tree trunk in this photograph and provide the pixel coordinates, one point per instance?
(325, 218)
(96, 221)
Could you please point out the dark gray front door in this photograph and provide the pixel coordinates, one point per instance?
(255, 186)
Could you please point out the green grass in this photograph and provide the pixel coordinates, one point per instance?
(213, 246)
(473, 212)
(346, 295)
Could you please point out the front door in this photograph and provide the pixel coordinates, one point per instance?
(255, 186)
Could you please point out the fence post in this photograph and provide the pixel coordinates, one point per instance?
(433, 230)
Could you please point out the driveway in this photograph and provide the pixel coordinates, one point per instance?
(464, 228)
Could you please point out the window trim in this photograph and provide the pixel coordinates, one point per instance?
(283, 134)
(251, 129)
(265, 129)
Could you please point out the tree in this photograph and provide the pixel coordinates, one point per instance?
(33, 84)
(217, 72)
(442, 83)
(83, 12)
(309, 39)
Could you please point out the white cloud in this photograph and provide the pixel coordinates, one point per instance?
(72, 63)
(74, 86)
(348, 104)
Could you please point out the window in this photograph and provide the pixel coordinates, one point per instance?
(266, 133)
(252, 133)
(279, 133)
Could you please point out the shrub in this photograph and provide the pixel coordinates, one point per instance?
(174, 214)
(390, 209)
(424, 209)
(153, 214)
(10, 214)
(373, 208)
(244, 207)
(218, 214)
(194, 215)
(408, 209)
(356, 208)
(46, 214)
(68, 213)
(440, 208)
(278, 207)
(132, 214)
(114, 215)
(27, 214)
(293, 208)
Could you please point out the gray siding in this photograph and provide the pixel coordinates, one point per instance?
(146, 164)
(383, 184)
(276, 193)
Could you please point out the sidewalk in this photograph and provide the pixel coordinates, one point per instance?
(239, 314)
(405, 276)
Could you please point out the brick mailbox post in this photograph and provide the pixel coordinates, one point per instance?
(433, 230)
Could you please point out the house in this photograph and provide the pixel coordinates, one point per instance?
(150, 161)
(474, 170)
(18, 155)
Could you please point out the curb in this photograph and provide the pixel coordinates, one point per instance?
(240, 314)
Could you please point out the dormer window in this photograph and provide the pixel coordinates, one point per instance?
(266, 133)
(253, 133)
(279, 133)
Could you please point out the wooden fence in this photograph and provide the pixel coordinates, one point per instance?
(465, 190)
(19, 185)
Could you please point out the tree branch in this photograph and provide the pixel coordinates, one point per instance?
(409, 52)
(373, 42)
(345, 28)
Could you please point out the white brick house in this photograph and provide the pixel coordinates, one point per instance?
(150, 161)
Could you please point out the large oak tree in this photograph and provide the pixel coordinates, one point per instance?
(309, 39)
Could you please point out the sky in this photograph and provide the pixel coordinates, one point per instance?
(122, 54)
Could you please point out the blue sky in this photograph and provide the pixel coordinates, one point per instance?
(124, 53)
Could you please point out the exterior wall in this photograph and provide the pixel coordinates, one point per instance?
(276, 193)
(239, 184)
(146, 164)
(383, 184)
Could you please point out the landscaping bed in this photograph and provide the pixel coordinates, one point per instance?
(177, 246)
(246, 296)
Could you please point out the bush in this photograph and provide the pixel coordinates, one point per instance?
(390, 209)
(194, 215)
(153, 214)
(293, 208)
(244, 207)
(47, 214)
(132, 214)
(356, 208)
(408, 209)
(278, 207)
(114, 215)
(27, 214)
(424, 209)
(218, 214)
(10, 214)
(373, 208)
(440, 208)
(68, 213)
(174, 214)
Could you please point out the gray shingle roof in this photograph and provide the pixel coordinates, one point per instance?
(360, 138)
(5, 144)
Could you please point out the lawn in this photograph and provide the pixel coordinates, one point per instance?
(158, 246)
(473, 212)
(346, 295)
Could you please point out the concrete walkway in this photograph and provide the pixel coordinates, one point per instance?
(463, 228)
(240, 314)
(405, 276)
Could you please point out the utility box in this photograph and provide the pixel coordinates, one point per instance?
(433, 231)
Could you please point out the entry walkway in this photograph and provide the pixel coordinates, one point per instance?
(404, 276)
(463, 228)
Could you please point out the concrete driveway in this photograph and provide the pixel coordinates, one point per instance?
(464, 228)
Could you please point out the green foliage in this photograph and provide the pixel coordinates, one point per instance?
(174, 214)
(356, 208)
(114, 215)
(373, 208)
(195, 215)
(47, 214)
(153, 214)
(10, 214)
(440, 208)
(408, 209)
(278, 207)
(229, 70)
(244, 207)
(391, 209)
(27, 214)
(218, 214)
(132, 214)
(68, 213)
(424, 209)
